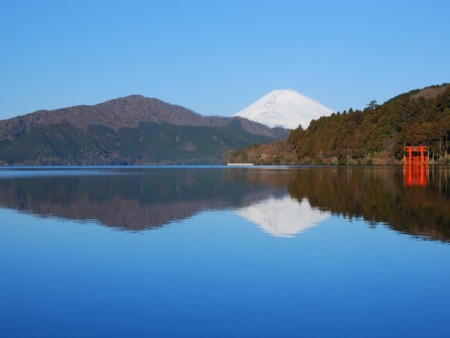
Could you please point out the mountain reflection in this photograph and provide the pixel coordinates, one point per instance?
(283, 217)
(137, 199)
(282, 202)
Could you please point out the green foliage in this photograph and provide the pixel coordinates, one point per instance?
(375, 135)
(418, 117)
(148, 143)
(373, 104)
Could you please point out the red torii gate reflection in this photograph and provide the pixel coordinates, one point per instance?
(415, 166)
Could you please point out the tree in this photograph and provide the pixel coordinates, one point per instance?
(373, 105)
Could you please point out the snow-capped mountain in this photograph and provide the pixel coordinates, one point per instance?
(283, 217)
(285, 108)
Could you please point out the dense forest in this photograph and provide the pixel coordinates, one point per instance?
(375, 135)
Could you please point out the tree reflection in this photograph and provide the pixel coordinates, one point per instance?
(137, 199)
(380, 195)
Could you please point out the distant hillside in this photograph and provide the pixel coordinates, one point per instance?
(375, 135)
(129, 130)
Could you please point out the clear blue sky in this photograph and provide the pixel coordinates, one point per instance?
(216, 57)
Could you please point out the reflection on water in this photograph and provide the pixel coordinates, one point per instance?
(380, 195)
(136, 199)
(282, 202)
(283, 217)
(416, 175)
(213, 273)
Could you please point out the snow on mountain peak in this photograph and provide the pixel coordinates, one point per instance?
(285, 108)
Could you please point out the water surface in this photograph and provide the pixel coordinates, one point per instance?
(216, 251)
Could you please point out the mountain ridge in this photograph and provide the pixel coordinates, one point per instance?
(127, 111)
(127, 130)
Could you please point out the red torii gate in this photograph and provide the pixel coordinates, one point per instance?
(416, 165)
(416, 155)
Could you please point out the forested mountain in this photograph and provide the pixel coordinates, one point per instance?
(376, 134)
(129, 130)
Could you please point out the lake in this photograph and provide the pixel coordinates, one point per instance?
(224, 252)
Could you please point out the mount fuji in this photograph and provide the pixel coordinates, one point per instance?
(285, 108)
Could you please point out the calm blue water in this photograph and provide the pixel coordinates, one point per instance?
(221, 252)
